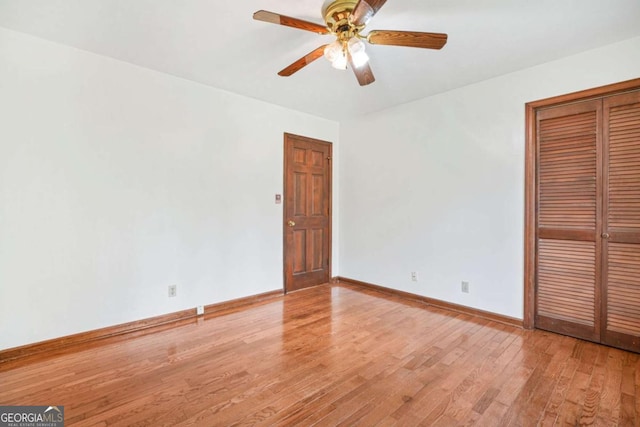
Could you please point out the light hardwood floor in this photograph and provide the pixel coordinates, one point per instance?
(334, 355)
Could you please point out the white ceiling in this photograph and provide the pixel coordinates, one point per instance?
(217, 43)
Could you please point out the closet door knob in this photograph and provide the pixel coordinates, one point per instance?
(605, 235)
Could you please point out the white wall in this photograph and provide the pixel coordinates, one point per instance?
(117, 181)
(437, 186)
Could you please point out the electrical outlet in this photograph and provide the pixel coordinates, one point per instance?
(200, 310)
(465, 287)
(173, 290)
(414, 276)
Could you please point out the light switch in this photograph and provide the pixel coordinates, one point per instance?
(278, 199)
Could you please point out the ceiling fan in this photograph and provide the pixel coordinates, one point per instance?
(346, 19)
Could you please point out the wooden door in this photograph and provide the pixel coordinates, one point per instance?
(568, 230)
(307, 212)
(621, 217)
(588, 220)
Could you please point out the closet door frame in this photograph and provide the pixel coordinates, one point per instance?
(531, 149)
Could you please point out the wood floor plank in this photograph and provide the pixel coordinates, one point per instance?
(558, 394)
(333, 355)
(594, 390)
(611, 391)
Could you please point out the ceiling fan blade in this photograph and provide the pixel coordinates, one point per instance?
(363, 73)
(364, 11)
(408, 38)
(303, 62)
(274, 18)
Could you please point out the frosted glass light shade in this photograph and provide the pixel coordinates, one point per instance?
(359, 59)
(333, 51)
(355, 46)
(340, 63)
(357, 51)
(335, 54)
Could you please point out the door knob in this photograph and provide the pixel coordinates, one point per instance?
(605, 235)
(291, 223)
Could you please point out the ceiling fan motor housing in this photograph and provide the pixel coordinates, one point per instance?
(336, 15)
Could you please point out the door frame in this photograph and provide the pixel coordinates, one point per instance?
(284, 206)
(531, 185)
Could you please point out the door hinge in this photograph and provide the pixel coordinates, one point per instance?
(329, 158)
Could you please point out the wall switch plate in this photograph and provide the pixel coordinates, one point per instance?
(465, 287)
(200, 310)
(173, 291)
(278, 199)
(414, 276)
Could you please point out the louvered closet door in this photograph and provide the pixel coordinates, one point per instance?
(621, 242)
(568, 246)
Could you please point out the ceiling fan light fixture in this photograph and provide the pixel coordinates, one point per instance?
(333, 51)
(359, 59)
(340, 62)
(335, 54)
(357, 50)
